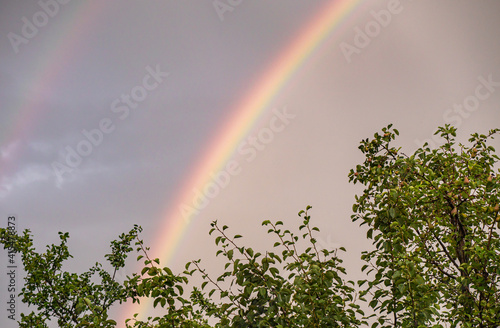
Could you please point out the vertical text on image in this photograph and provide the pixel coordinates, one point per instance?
(11, 271)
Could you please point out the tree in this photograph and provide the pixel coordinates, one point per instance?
(433, 218)
(73, 300)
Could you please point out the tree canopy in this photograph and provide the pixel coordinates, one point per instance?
(433, 218)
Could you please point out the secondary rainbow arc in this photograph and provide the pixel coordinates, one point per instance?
(49, 69)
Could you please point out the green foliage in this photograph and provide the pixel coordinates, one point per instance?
(281, 288)
(166, 290)
(275, 289)
(433, 218)
(72, 300)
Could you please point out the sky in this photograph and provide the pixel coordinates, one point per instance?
(172, 114)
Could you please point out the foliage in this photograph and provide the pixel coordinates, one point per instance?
(285, 289)
(433, 218)
(72, 300)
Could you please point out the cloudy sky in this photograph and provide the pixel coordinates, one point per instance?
(110, 113)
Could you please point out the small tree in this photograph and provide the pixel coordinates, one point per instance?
(434, 221)
(73, 300)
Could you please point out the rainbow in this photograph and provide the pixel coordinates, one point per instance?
(245, 115)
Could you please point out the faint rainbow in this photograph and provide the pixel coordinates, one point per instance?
(48, 69)
(245, 114)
